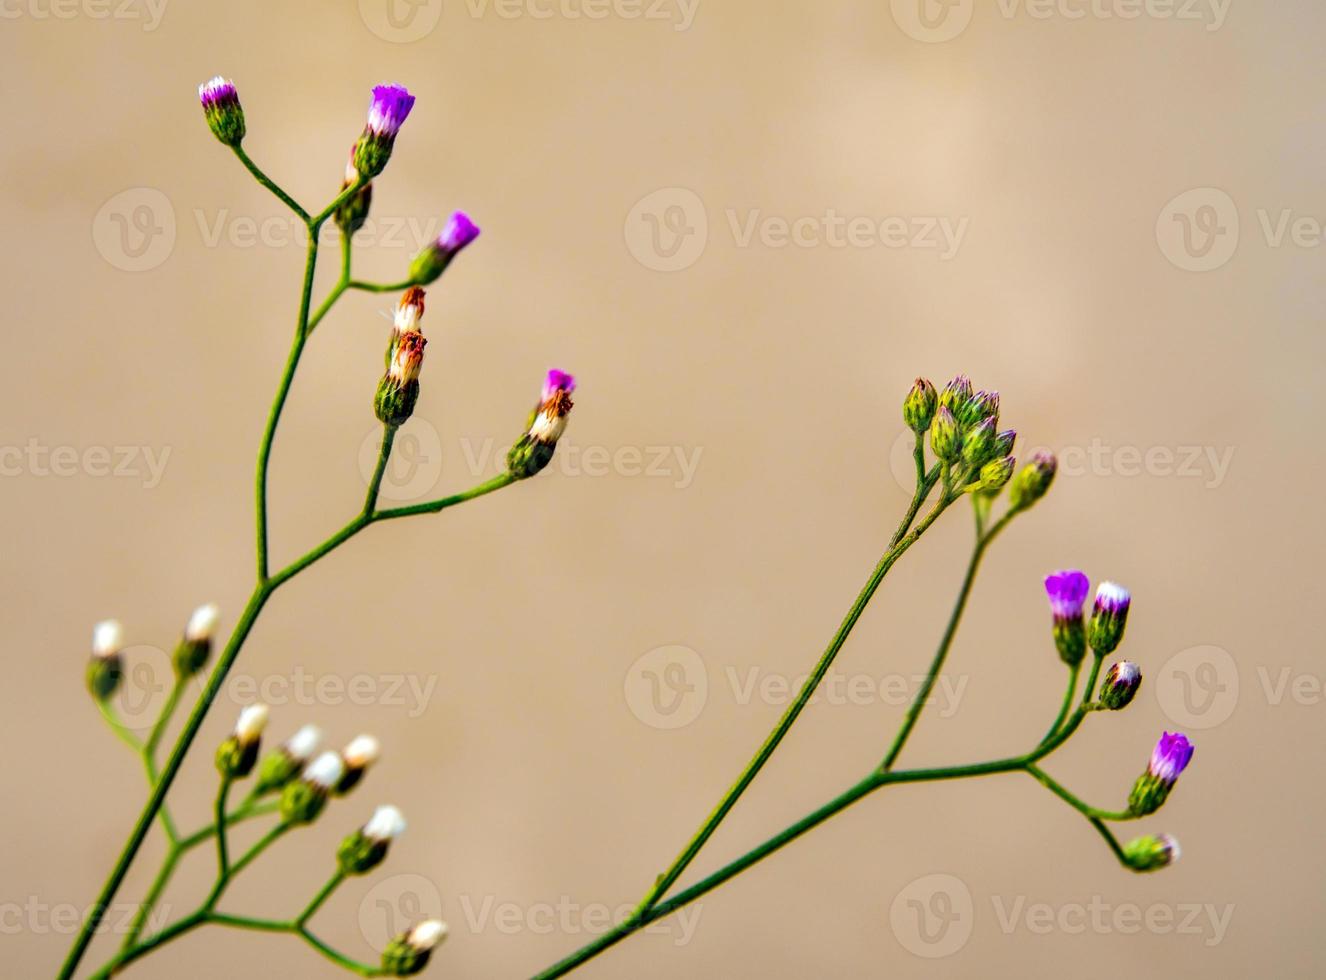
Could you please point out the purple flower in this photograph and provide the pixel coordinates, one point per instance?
(1068, 593)
(390, 105)
(458, 232)
(216, 92)
(557, 381)
(1112, 599)
(1170, 757)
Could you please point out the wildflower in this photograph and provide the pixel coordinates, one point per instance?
(196, 645)
(1151, 852)
(1169, 758)
(221, 108)
(458, 232)
(365, 849)
(918, 408)
(534, 449)
(386, 113)
(957, 396)
(1032, 481)
(945, 436)
(408, 953)
(361, 753)
(1120, 685)
(303, 799)
(1067, 591)
(236, 756)
(106, 667)
(280, 766)
(996, 473)
(1108, 618)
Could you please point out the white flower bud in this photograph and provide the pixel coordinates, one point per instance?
(202, 623)
(427, 934)
(325, 771)
(386, 824)
(107, 638)
(303, 743)
(252, 720)
(362, 752)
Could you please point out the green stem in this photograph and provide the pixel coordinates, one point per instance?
(270, 184)
(375, 484)
(766, 750)
(152, 942)
(222, 845)
(159, 883)
(1042, 777)
(315, 223)
(248, 922)
(120, 729)
(1111, 840)
(379, 287)
(340, 959)
(433, 506)
(922, 696)
(1073, 671)
(323, 894)
(342, 284)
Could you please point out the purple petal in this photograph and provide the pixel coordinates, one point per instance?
(458, 232)
(1067, 591)
(557, 381)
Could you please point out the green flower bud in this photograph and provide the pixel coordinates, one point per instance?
(1032, 481)
(221, 109)
(1120, 685)
(956, 396)
(408, 953)
(279, 767)
(365, 849)
(105, 669)
(235, 757)
(303, 799)
(1108, 618)
(1152, 852)
(918, 408)
(1070, 639)
(399, 388)
(535, 447)
(978, 445)
(945, 437)
(195, 647)
(352, 214)
(1169, 758)
(996, 473)
(984, 405)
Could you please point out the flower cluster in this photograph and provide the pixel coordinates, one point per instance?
(977, 456)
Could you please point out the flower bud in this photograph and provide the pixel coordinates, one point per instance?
(978, 444)
(1120, 685)
(956, 396)
(222, 110)
(352, 214)
(918, 408)
(236, 756)
(409, 315)
(303, 799)
(1152, 852)
(982, 407)
(1067, 591)
(408, 953)
(945, 437)
(279, 767)
(1032, 481)
(534, 449)
(399, 388)
(196, 645)
(1169, 758)
(1108, 618)
(1003, 445)
(458, 232)
(105, 669)
(996, 473)
(361, 753)
(366, 848)
(386, 113)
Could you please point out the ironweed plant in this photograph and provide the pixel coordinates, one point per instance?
(969, 457)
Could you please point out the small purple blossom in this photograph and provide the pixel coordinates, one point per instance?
(390, 105)
(1067, 591)
(1112, 599)
(557, 381)
(217, 91)
(1170, 756)
(458, 232)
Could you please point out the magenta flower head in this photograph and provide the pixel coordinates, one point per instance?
(1169, 758)
(386, 114)
(1067, 591)
(1108, 618)
(222, 110)
(534, 449)
(458, 232)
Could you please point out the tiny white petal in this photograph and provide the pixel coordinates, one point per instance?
(1112, 593)
(252, 720)
(107, 638)
(326, 770)
(362, 752)
(427, 934)
(386, 824)
(202, 623)
(303, 743)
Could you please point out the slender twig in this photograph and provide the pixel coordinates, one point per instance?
(324, 893)
(270, 184)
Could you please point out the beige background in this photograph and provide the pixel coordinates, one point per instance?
(537, 788)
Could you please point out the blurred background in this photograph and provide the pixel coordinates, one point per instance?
(746, 228)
